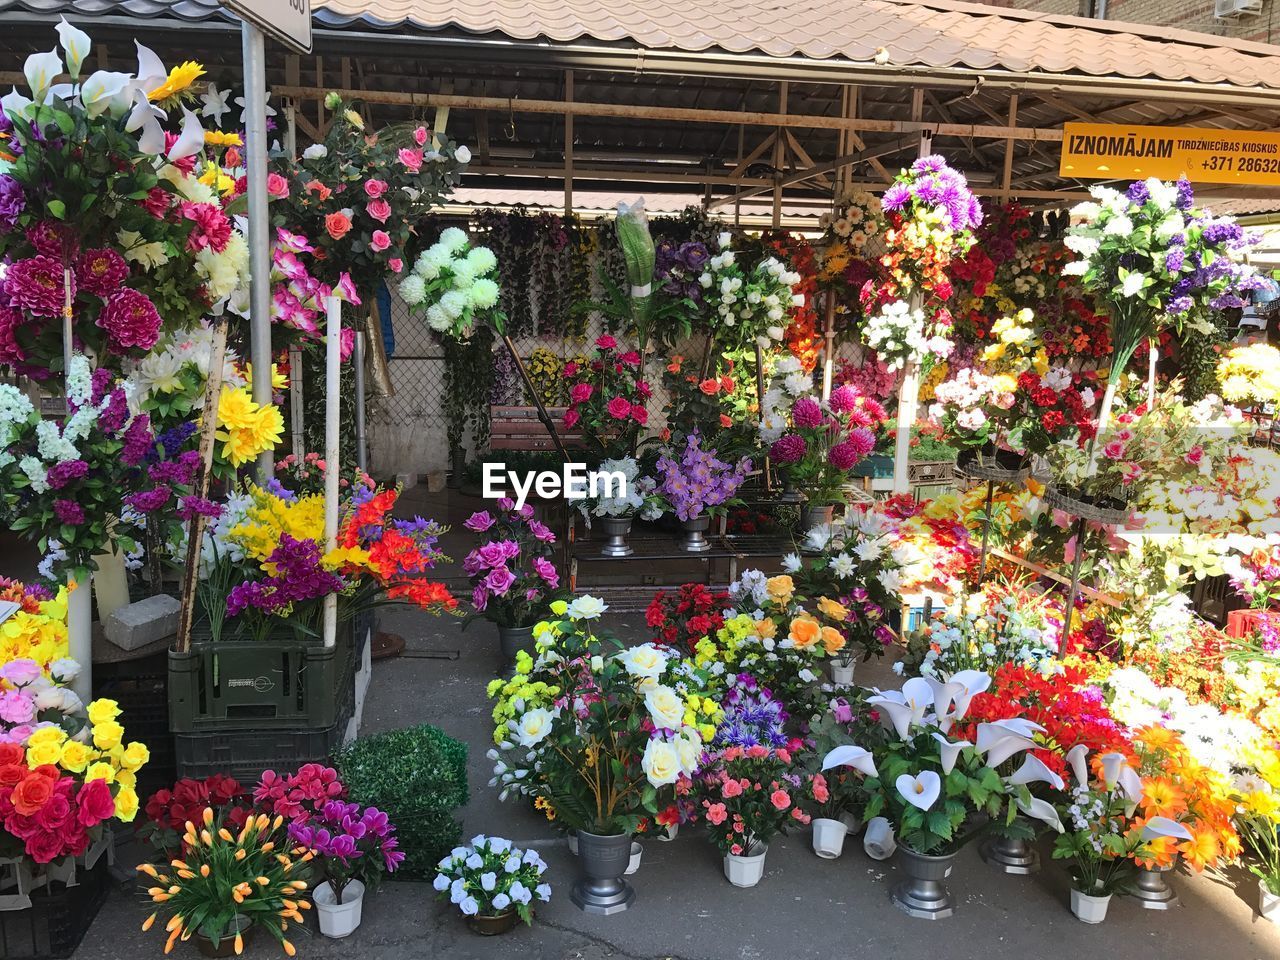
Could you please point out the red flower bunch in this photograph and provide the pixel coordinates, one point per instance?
(50, 812)
(682, 618)
(608, 397)
(168, 811)
(1053, 415)
(1064, 703)
(1075, 330)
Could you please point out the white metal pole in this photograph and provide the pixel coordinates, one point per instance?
(255, 94)
(332, 404)
(80, 636)
(357, 358)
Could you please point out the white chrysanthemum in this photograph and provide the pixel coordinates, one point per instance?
(484, 293)
(454, 304)
(431, 261)
(437, 319)
(413, 289)
(463, 274)
(482, 260)
(452, 239)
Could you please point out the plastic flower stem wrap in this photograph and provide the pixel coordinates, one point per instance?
(638, 252)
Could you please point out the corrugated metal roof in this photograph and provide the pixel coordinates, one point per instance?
(912, 33)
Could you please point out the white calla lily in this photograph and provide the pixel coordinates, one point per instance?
(997, 744)
(950, 751)
(1034, 770)
(1041, 810)
(1020, 725)
(920, 791)
(851, 755)
(973, 683)
(1112, 764)
(190, 141)
(897, 713)
(75, 43)
(15, 104)
(944, 694)
(142, 111)
(1077, 757)
(1162, 827)
(40, 71)
(100, 90)
(60, 91)
(1131, 784)
(151, 71)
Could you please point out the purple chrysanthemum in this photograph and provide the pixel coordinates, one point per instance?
(12, 202)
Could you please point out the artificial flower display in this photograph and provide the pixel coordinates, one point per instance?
(491, 876)
(608, 398)
(455, 283)
(681, 617)
(694, 482)
(1250, 375)
(228, 882)
(588, 729)
(823, 442)
(513, 577)
(358, 194)
(37, 630)
(129, 242)
(747, 307)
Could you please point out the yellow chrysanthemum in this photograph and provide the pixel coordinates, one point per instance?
(236, 408)
(222, 138)
(179, 80)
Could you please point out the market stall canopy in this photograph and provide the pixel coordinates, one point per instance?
(730, 100)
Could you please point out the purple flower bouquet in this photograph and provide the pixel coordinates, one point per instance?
(512, 576)
(699, 482)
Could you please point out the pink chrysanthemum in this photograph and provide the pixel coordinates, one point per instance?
(806, 413)
(788, 448)
(131, 320)
(843, 399)
(36, 285)
(101, 271)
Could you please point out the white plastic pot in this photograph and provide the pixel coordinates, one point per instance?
(633, 864)
(1089, 908)
(879, 841)
(669, 833)
(828, 838)
(851, 823)
(841, 673)
(1268, 903)
(745, 871)
(338, 920)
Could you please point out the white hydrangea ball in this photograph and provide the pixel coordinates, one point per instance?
(454, 303)
(484, 293)
(453, 239)
(413, 289)
(482, 260)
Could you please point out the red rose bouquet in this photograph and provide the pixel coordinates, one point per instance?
(608, 397)
(681, 618)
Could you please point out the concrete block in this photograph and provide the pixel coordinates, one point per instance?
(436, 481)
(407, 480)
(137, 624)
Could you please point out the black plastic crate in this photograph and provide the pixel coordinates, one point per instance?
(58, 918)
(254, 685)
(245, 754)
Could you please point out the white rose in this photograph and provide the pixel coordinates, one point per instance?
(317, 151)
(661, 763)
(689, 748)
(665, 707)
(645, 660)
(587, 608)
(533, 726)
(462, 154)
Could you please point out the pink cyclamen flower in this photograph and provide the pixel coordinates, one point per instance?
(380, 240)
(375, 188)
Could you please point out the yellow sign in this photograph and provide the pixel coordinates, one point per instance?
(1112, 151)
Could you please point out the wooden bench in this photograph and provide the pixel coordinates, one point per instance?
(518, 428)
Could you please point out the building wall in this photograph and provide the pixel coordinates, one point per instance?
(1184, 14)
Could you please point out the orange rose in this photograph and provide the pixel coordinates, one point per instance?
(318, 188)
(727, 384)
(726, 422)
(31, 794)
(766, 629)
(710, 387)
(832, 640)
(338, 224)
(805, 633)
